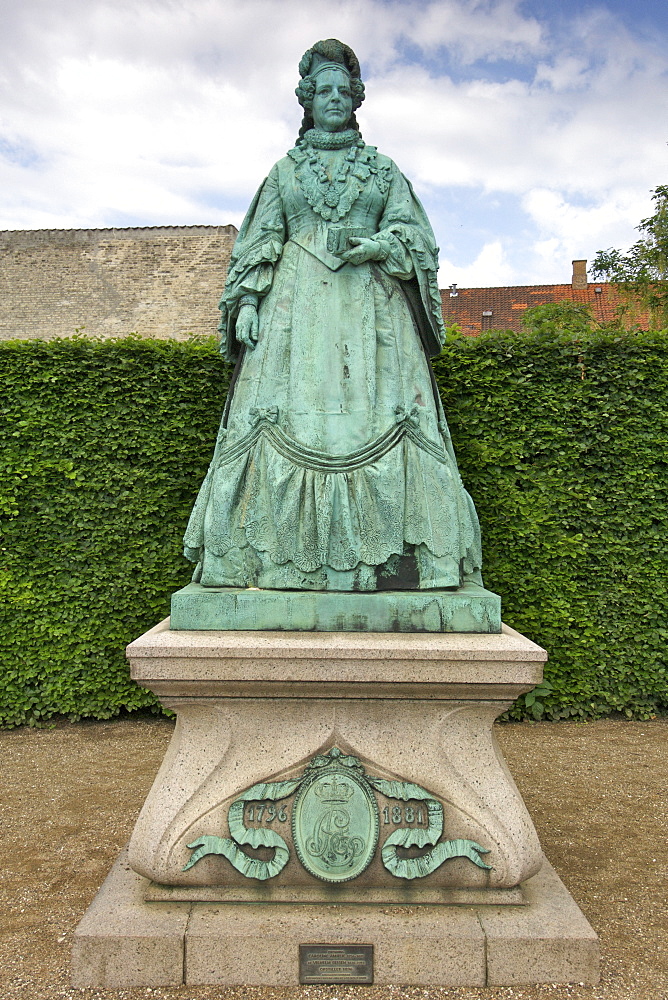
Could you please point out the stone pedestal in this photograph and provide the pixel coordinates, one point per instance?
(402, 721)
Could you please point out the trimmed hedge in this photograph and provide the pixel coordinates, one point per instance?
(562, 443)
(105, 447)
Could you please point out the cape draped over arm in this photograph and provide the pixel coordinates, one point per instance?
(413, 255)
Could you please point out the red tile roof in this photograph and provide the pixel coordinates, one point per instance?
(507, 305)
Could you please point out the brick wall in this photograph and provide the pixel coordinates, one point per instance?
(162, 281)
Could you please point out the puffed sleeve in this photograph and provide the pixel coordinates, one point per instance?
(257, 249)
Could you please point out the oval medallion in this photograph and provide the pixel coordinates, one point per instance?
(335, 824)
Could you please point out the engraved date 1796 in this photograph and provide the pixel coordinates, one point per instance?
(258, 811)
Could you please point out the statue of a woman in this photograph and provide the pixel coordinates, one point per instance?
(333, 468)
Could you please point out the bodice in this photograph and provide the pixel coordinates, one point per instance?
(365, 212)
(304, 197)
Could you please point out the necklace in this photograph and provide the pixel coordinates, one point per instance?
(332, 197)
(331, 190)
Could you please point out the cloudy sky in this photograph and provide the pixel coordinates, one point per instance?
(534, 130)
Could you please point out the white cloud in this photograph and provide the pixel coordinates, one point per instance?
(571, 231)
(514, 135)
(491, 265)
(475, 30)
(161, 112)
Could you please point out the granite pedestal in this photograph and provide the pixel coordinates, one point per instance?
(260, 707)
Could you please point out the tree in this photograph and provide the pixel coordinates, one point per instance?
(555, 318)
(642, 272)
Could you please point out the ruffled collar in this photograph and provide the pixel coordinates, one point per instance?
(319, 139)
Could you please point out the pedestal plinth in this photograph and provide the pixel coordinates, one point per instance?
(350, 788)
(470, 608)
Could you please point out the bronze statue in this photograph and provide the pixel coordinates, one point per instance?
(333, 468)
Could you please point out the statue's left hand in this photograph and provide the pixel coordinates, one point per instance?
(363, 250)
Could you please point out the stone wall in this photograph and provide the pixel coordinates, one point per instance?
(162, 281)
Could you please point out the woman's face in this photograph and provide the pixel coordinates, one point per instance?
(332, 101)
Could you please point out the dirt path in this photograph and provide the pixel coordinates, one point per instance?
(597, 793)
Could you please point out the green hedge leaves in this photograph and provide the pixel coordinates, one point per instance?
(562, 443)
(104, 448)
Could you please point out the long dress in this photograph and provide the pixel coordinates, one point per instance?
(333, 468)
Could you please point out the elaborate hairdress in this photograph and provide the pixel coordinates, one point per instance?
(333, 468)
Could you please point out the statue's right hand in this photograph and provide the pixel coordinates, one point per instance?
(247, 326)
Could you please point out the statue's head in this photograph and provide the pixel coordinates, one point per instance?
(330, 89)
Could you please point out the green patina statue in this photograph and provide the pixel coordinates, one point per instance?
(333, 468)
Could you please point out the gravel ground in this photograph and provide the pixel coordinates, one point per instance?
(596, 791)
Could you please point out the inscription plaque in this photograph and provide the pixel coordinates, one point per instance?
(336, 963)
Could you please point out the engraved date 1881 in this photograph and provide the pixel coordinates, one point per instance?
(405, 814)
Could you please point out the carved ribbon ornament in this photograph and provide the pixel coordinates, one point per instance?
(326, 775)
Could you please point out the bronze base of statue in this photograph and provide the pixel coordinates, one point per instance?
(469, 608)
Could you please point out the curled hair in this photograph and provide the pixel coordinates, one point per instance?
(333, 51)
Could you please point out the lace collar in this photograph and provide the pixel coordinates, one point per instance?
(320, 139)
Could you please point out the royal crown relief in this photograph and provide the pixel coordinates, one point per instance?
(332, 814)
